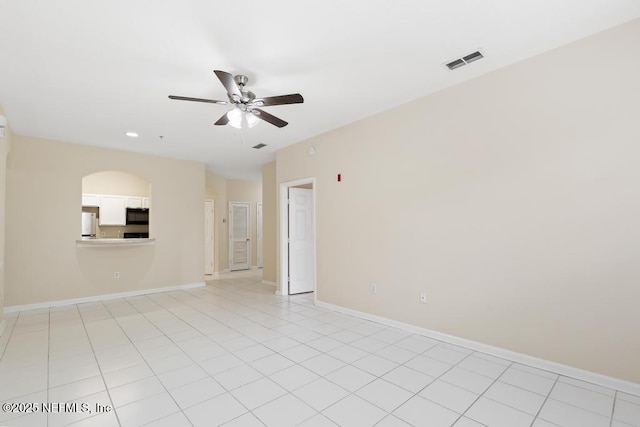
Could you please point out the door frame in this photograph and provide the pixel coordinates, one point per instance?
(259, 235)
(283, 246)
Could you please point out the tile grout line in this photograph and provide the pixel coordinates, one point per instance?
(613, 408)
(482, 394)
(93, 351)
(582, 387)
(579, 407)
(545, 401)
(13, 326)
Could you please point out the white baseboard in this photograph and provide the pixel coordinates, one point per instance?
(3, 325)
(105, 297)
(558, 368)
(266, 282)
(255, 267)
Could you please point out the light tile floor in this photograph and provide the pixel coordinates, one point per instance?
(234, 354)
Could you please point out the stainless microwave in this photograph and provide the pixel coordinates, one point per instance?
(137, 216)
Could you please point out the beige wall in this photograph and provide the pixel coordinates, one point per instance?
(216, 189)
(512, 200)
(269, 222)
(117, 183)
(5, 146)
(44, 183)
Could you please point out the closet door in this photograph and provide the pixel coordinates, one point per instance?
(301, 251)
(239, 242)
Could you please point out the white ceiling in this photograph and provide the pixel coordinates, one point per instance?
(88, 71)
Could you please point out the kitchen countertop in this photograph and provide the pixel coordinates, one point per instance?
(96, 243)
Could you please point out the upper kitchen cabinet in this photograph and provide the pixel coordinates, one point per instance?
(137, 202)
(134, 202)
(91, 200)
(112, 210)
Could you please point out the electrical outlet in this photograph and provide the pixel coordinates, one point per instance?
(423, 297)
(116, 274)
(374, 289)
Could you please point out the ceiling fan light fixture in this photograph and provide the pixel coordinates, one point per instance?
(242, 119)
(252, 120)
(235, 118)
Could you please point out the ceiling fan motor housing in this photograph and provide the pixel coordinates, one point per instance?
(247, 95)
(241, 80)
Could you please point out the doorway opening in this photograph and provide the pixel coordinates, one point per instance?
(297, 237)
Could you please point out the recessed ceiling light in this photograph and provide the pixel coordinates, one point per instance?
(131, 134)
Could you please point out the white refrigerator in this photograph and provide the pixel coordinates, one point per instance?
(88, 225)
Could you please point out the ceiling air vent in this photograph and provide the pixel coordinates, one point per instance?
(259, 146)
(456, 64)
(467, 59)
(473, 57)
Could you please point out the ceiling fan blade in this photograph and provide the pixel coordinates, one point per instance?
(229, 83)
(294, 98)
(270, 118)
(222, 120)
(186, 98)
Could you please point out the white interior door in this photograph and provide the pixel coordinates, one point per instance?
(259, 232)
(301, 256)
(208, 237)
(239, 241)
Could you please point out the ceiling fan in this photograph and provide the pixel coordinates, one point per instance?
(246, 111)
